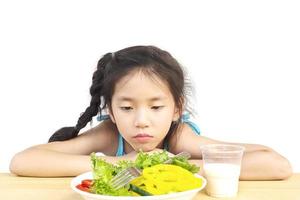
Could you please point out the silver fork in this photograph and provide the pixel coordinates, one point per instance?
(183, 154)
(125, 176)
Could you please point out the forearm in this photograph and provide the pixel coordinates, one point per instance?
(252, 147)
(264, 165)
(48, 163)
(259, 163)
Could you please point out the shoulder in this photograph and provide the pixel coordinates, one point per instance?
(101, 138)
(185, 139)
(178, 140)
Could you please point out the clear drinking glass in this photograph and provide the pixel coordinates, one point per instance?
(222, 167)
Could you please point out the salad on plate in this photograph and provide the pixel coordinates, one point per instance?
(157, 178)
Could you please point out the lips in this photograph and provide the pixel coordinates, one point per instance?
(143, 137)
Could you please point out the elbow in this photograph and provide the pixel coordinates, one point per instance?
(16, 165)
(281, 167)
(284, 170)
(13, 166)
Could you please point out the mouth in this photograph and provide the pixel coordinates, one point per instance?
(142, 137)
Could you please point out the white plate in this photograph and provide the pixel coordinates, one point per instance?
(89, 196)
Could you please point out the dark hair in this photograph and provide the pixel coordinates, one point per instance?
(112, 67)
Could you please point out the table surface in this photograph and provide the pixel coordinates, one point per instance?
(28, 188)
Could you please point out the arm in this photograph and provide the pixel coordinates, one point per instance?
(259, 162)
(39, 162)
(66, 158)
(263, 163)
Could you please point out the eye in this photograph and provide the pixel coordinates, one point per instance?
(126, 108)
(157, 107)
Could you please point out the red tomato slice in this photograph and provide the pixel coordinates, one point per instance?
(87, 183)
(82, 188)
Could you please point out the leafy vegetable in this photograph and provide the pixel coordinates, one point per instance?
(103, 172)
(123, 164)
(183, 162)
(144, 160)
(102, 169)
(102, 187)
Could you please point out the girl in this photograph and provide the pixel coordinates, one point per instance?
(143, 90)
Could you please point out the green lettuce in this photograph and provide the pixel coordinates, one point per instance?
(103, 172)
(144, 160)
(183, 162)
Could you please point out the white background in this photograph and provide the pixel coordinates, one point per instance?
(243, 58)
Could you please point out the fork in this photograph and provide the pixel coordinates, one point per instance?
(182, 154)
(125, 176)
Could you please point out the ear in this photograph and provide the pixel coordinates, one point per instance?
(176, 114)
(178, 110)
(111, 116)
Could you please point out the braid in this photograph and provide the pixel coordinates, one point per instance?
(67, 133)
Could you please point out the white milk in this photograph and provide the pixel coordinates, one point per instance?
(222, 179)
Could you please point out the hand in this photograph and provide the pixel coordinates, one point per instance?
(130, 156)
(157, 150)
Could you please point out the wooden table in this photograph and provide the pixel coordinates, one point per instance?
(26, 188)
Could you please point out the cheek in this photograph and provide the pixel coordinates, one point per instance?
(165, 126)
(122, 122)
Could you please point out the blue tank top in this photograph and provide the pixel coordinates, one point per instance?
(185, 118)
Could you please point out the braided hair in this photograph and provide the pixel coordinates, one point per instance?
(112, 67)
(67, 133)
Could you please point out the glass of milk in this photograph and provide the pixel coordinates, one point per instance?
(222, 167)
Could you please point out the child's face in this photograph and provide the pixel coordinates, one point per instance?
(143, 109)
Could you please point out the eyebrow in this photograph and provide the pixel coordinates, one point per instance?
(124, 98)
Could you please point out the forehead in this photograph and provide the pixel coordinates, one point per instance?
(140, 86)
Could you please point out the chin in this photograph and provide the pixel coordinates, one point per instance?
(145, 148)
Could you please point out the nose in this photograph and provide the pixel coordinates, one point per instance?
(141, 120)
